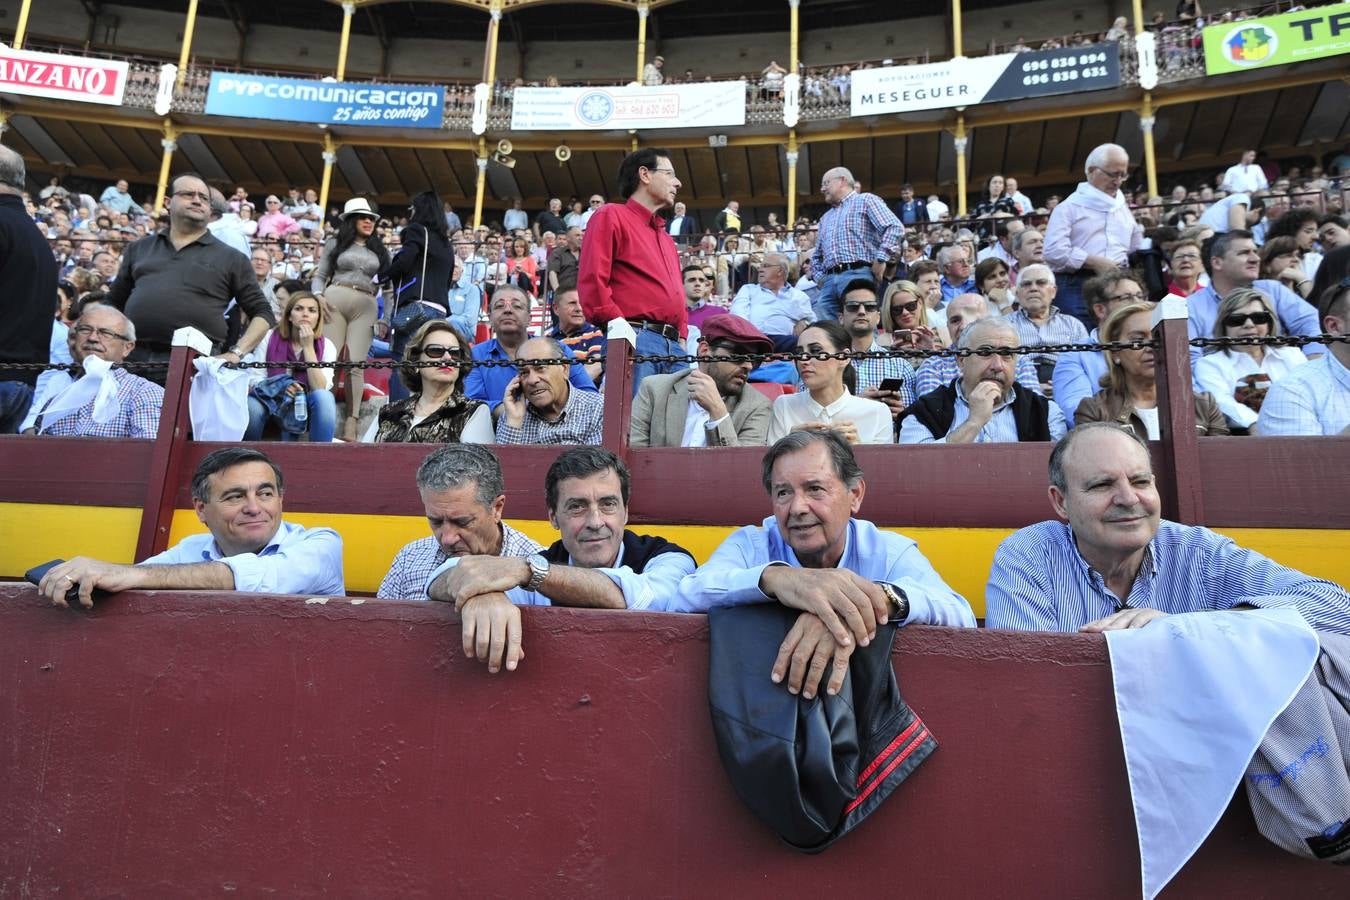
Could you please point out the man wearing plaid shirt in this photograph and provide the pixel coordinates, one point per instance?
(858, 234)
(939, 371)
(541, 407)
(861, 316)
(463, 494)
(1039, 323)
(1314, 399)
(85, 408)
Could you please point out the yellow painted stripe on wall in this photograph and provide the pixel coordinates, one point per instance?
(34, 533)
(963, 556)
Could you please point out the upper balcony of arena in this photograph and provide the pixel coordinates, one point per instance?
(545, 42)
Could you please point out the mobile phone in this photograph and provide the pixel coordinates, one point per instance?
(892, 384)
(34, 576)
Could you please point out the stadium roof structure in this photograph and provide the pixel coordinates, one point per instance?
(561, 20)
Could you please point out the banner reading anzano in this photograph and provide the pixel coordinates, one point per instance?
(711, 104)
(984, 79)
(1277, 40)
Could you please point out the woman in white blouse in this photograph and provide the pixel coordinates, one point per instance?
(1239, 378)
(827, 402)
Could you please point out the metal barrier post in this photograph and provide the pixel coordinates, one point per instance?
(166, 461)
(1182, 499)
(618, 395)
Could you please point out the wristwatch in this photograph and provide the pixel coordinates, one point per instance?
(236, 351)
(899, 602)
(538, 571)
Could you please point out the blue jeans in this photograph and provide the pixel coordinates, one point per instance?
(829, 302)
(15, 397)
(1069, 297)
(649, 343)
(322, 410)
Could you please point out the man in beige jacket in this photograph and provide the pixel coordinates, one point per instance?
(713, 405)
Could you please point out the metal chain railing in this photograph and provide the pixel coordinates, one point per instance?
(1224, 343)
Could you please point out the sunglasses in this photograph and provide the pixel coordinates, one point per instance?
(855, 307)
(436, 351)
(905, 307)
(1237, 320)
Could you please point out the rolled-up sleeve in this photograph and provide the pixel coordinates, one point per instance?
(657, 588)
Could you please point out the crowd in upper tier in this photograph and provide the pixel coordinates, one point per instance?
(477, 313)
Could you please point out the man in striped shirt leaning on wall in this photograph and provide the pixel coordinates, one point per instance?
(1116, 564)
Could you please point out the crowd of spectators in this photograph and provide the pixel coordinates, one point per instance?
(362, 284)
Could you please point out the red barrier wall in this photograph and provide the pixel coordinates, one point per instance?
(190, 745)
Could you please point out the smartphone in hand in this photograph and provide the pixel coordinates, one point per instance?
(34, 576)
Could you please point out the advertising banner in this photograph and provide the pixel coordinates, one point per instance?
(984, 79)
(62, 77)
(325, 102)
(1277, 40)
(710, 104)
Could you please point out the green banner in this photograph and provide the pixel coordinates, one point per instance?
(1277, 40)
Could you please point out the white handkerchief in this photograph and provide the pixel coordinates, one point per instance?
(1195, 693)
(218, 401)
(96, 385)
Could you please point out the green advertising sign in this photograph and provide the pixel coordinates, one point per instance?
(1277, 40)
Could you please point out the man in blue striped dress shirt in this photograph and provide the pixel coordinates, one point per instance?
(1116, 564)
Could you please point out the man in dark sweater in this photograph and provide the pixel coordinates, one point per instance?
(986, 404)
(28, 272)
(597, 563)
(184, 276)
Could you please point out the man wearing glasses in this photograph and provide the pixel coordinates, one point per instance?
(1092, 231)
(108, 401)
(712, 405)
(772, 305)
(183, 276)
(631, 269)
(857, 234)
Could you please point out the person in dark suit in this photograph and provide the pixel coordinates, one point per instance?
(28, 271)
(910, 210)
(682, 226)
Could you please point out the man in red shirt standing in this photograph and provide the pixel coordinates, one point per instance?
(629, 266)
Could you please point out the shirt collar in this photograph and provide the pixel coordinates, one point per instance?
(644, 215)
(212, 552)
(833, 409)
(1149, 564)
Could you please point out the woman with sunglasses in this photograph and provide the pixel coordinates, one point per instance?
(345, 282)
(1239, 377)
(1129, 394)
(437, 412)
(828, 402)
(420, 273)
(904, 318)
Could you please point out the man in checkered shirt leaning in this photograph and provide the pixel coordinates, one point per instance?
(463, 494)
